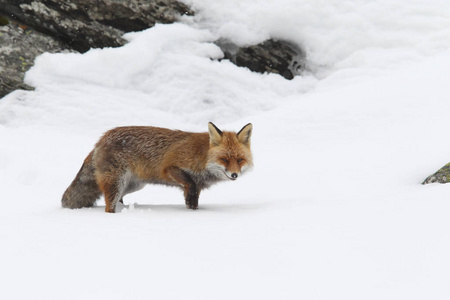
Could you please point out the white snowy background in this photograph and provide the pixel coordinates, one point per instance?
(334, 208)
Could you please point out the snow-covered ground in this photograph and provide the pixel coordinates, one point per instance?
(334, 208)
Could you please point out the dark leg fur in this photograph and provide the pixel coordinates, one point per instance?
(191, 195)
(191, 192)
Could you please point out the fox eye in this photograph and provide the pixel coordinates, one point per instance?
(240, 160)
(224, 160)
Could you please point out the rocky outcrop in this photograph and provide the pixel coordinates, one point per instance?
(271, 56)
(441, 176)
(85, 24)
(29, 28)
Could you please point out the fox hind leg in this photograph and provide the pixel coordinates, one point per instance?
(113, 193)
(111, 198)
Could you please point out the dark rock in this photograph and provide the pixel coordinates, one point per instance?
(19, 45)
(4, 21)
(85, 24)
(271, 56)
(441, 176)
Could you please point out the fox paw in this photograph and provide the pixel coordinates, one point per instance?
(193, 207)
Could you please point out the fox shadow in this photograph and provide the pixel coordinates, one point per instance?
(177, 208)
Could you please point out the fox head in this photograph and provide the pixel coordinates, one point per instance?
(229, 153)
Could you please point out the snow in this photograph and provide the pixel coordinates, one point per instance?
(333, 209)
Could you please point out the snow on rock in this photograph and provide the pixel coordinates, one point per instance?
(165, 69)
(335, 35)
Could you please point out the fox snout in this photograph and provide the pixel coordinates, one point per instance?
(231, 167)
(231, 176)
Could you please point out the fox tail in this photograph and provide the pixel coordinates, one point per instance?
(84, 190)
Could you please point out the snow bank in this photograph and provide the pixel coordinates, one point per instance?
(166, 69)
(172, 68)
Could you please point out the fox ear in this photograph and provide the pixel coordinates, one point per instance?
(215, 134)
(245, 134)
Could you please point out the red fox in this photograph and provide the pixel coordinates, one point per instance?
(127, 158)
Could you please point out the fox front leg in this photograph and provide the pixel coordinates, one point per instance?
(191, 195)
(191, 192)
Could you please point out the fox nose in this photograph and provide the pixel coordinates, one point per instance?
(234, 175)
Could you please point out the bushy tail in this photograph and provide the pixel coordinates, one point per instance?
(84, 190)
